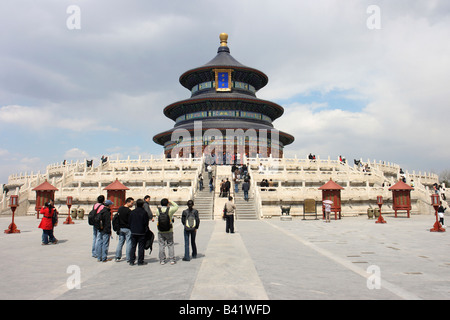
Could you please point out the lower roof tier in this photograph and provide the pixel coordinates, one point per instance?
(236, 102)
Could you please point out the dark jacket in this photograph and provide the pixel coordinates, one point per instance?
(185, 214)
(246, 186)
(106, 218)
(124, 214)
(138, 221)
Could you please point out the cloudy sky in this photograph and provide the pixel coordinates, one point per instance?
(364, 79)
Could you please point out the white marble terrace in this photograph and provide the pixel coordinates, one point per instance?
(294, 180)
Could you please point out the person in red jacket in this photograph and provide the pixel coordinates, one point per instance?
(48, 222)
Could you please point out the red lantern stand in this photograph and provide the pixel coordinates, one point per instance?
(401, 197)
(435, 202)
(380, 203)
(14, 203)
(116, 192)
(69, 205)
(332, 191)
(44, 192)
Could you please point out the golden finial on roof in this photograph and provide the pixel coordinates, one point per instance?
(223, 39)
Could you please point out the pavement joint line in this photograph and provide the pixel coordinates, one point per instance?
(347, 264)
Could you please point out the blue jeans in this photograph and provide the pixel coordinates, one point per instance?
(94, 242)
(245, 195)
(102, 246)
(46, 234)
(124, 236)
(192, 233)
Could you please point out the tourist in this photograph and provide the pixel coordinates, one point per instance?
(245, 188)
(261, 168)
(327, 206)
(229, 209)
(138, 226)
(147, 207)
(270, 184)
(211, 184)
(236, 182)
(200, 182)
(209, 168)
(226, 188)
(98, 207)
(442, 192)
(165, 230)
(441, 211)
(124, 231)
(104, 232)
(191, 221)
(5, 190)
(48, 222)
(222, 189)
(244, 170)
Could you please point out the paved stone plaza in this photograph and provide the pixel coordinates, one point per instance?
(264, 259)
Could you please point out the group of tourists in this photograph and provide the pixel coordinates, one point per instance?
(132, 227)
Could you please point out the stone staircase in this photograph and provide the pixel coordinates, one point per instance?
(204, 203)
(204, 199)
(245, 210)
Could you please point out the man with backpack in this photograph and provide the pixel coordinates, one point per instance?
(95, 210)
(165, 230)
(190, 221)
(102, 222)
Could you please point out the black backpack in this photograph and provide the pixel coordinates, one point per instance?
(115, 223)
(164, 223)
(92, 214)
(98, 221)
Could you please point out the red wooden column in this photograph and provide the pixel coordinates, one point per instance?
(44, 192)
(401, 197)
(332, 191)
(116, 192)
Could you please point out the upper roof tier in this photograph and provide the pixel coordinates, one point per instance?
(224, 59)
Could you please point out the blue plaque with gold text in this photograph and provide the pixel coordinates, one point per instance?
(223, 79)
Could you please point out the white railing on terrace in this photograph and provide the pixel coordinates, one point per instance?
(155, 168)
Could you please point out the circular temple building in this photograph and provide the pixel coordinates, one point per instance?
(223, 114)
